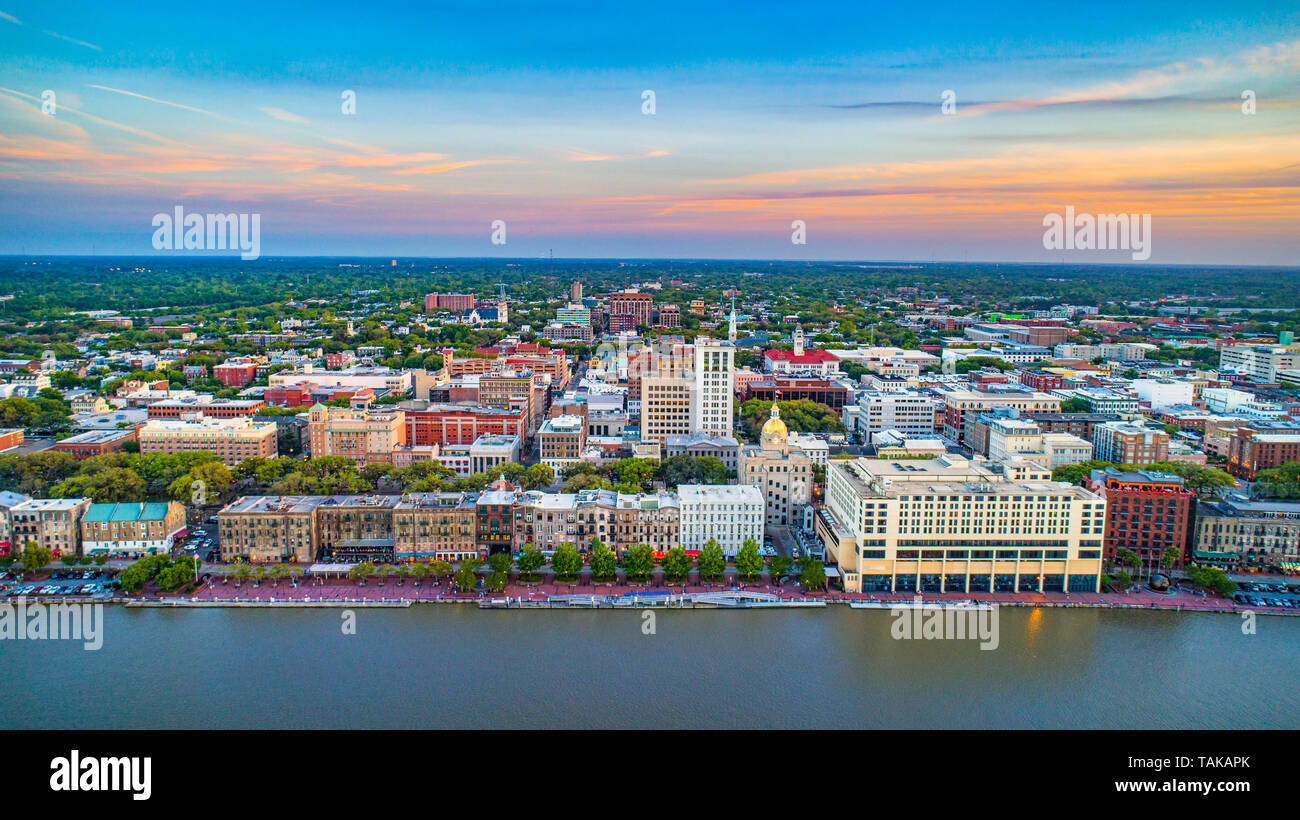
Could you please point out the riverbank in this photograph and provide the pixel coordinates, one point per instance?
(339, 593)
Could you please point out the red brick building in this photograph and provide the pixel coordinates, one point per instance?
(290, 395)
(215, 409)
(95, 443)
(457, 302)
(457, 424)
(787, 388)
(1145, 512)
(1250, 451)
(637, 305)
(1044, 382)
(235, 374)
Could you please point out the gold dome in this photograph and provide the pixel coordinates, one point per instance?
(774, 426)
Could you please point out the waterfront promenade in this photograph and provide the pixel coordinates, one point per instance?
(339, 591)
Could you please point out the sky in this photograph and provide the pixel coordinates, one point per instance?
(765, 114)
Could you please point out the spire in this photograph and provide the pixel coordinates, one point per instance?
(731, 326)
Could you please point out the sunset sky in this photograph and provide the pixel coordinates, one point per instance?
(766, 113)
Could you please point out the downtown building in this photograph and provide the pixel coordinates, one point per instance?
(1259, 363)
(618, 520)
(962, 407)
(1146, 511)
(348, 528)
(912, 414)
(132, 528)
(951, 525)
(727, 513)
(1122, 442)
(52, 523)
(232, 440)
(781, 471)
(1238, 530)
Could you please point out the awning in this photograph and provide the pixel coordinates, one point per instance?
(181, 533)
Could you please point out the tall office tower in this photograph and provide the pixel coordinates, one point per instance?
(715, 367)
(575, 292)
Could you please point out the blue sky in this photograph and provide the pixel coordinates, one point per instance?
(765, 113)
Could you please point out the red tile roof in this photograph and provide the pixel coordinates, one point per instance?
(809, 357)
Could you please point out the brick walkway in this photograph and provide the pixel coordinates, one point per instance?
(344, 590)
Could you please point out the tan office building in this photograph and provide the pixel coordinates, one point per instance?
(366, 437)
(233, 440)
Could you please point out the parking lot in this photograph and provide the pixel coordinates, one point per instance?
(201, 543)
(90, 583)
(1275, 594)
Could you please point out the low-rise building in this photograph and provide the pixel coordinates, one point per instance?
(132, 528)
(1239, 531)
(52, 523)
(95, 443)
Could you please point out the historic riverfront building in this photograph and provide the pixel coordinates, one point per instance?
(302, 529)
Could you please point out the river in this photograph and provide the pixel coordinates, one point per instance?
(460, 667)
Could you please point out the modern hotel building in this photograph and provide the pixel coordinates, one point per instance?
(953, 525)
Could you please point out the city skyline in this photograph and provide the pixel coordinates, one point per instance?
(828, 116)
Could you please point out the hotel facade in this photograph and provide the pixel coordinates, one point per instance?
(952, 525)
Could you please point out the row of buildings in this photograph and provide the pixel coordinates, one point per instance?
(454, 526)
(75, 526)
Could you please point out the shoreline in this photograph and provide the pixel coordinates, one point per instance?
(711, 600)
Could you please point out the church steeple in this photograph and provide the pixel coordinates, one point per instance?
(731, 325)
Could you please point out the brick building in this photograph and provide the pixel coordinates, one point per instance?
(1146, 512)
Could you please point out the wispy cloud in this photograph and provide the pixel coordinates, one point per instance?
(150, 99)
(282, 115)
(10, 18)
(119, 126)
(579, 155)
(72, 40)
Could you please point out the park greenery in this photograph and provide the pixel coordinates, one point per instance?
(800, 416)
(1206, 482)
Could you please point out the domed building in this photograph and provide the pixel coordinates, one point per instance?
(782, 471)
(775, 435)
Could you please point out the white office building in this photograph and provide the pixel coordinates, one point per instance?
(727, 513)
(715, 366)
(911, 414)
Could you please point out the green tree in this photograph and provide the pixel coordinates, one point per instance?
(813, 575)
(438, 570)
(500, 562)
(531, 561)
(778, 566)
(638, 562)
(538, 476)
(466, 576)
(604, 563)
(749, 563)
(35, 557)
(566, 562)
(711, 562)
(496, 582)
(361, 571)
(677, 564)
